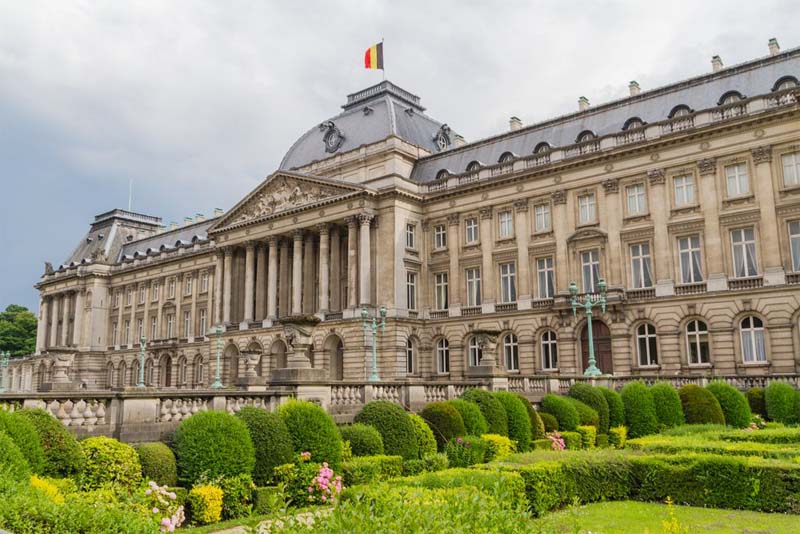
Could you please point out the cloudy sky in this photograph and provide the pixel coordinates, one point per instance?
(197, 101)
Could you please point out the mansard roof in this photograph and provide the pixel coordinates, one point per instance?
(166, 241)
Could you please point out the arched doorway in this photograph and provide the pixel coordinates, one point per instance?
(335, 351)
(602, 347)
(165, 371)
(277, 354)
(230, 364)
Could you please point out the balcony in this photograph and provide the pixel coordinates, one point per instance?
(793, 278)
(633, 136)
(440, 314)
(471, 311)
(540, 304)
(641, 294)
(739, 284)
(690, 289)
(505, 307)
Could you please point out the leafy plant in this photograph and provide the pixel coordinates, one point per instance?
(271, 440)
(426, 442)
(205, 504)
(158, 463)
(395, 427)
(466, 451)
(563, 410)
(640, 411)
(550, 422)
(445, 422)
(63, 457)
(109, 464)
(734, 405)
(669, 410)
(491, 408)
(13, 465)
(616, 408)
(780, 400)
(519, 422)
(474, 421)
(700, 406)
(755, 398)
(24, 435)
(364, 440)
(312, 430)
(498, 446)
(593, 398)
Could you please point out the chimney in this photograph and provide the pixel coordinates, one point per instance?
(514, 124)
(173, 225)
(199, 217)
(716, 64)
(459, 140)
(634, 88)
(218, 212)
(583, 103)
(187, 221)
(774, 47)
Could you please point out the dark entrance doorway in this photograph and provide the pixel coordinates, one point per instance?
(602, 347)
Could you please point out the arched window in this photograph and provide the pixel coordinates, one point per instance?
(697, 347)
(199, 376)
(110, 375)
(505, 157)
(182, 372)
(121, 374)
(473, 166)
(411, 364)
(544, 146)
(475, 352)
(148, 373)
(784, 83)
(549, 350)
(135, 370)
(680, 110)
(633, 122)
(751, 330)
(646, 346)
(584, 136)
(442, 174)
(730, 97)
(511, 352)
(443, 356)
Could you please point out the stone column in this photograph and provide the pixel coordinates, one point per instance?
(323, 267)
(297, 273)
(261, 282)
(176, 327)
(193, 308)
(661, 251)
(284, 283)
(454, 288)
(765, 199)
(134, 300)
(146, 319)
(41, 327)
(487, 263)
(162, 296)
(308, 273)
(335, 280)
(560, 228)
(218, 288)
(352, 262)
(65, 304)
(613, 222)
(365, 263)
(716, 279)
(77, 325)
(522, 232)
(249, 282)
(272, 279)
(227, 285)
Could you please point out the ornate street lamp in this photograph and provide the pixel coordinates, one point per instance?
(374, 327)
(4, 356)
(590, 300)
(142, 342)
(217, 379)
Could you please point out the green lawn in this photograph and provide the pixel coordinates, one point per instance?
(628, 517)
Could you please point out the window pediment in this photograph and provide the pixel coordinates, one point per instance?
(586, 234)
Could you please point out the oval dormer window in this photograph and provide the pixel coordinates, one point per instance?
(681, 110)
(473, 166)
(505, 157)
(585, 136)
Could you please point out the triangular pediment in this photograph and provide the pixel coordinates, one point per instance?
(285, 192)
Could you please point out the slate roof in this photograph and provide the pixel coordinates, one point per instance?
(170, 240)
(109, 232)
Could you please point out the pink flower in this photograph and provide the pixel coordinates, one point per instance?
(148, 491)
(459, 440)
(155, 510)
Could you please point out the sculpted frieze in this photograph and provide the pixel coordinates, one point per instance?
(282, 194)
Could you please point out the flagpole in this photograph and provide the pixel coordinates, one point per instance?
(383, 70)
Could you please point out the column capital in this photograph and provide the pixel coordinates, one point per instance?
(611, 186)
(365, 219)
(250, 245)
(273, 240)
(227, 250)
(298, 233)
(762, 154)
(707, 166)
(323, 228)
(559, 196)
(486, 212)
(453, 219)
(657, 176)
(352, 221)
(521, 205)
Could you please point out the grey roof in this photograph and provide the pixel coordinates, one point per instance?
(369, 116)
(750, 79)
(182, 236)
(109, 232)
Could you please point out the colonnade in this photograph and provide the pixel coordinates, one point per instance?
(60, 320)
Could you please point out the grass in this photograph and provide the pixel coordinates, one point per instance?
(628, 517)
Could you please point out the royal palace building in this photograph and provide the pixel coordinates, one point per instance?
(685, 199)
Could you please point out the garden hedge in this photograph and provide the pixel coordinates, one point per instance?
(519, 422)
(498, 446)
(506, 484)
(766, 435)
(586, 414)
(426, 442)
(205, 504)
(588, 436)
(779, 398)
(109, 464)
(662, 444)
(616, 409)
(572, 439)
(640, 410)
(667, 402)
(618, 436)
(158, 463)
(549, 421)
(755, 398)
(364, 440)
(436, 461)
(212, 444)
(595, 399)
(394, 426)
(25, 436)
(700, 406)
(563, 410)
(734, 405)
(63, 456)
(537, 426)
(445, 422)
(13, 465)
(466, 451)
(474, 421)
(369, 469)
(491, 409)
(313, 430)
(272, 442)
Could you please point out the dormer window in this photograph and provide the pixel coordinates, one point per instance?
(542, 147)
(442, 175)
(474, 166)
(505, 157)
(784, 83)
(730, 97)
(632, 123)
(681, 110)
(585, 136)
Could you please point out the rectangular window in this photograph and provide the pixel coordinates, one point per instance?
(471, 230)
(203, 324)
(736, 177)
(155, 294)
(590, 269)
(204, 283)
(684, 190)
(640, 266)
(126, 333)
(187, 323)
(791, 169)
(546, 277)
(506, 222)
(114, 334)
(794, 242)
(439, 236)
(153, 325)
(142, 294)
(586, 208)
(637, 201)
(129, 296)
(508, 282)
(411, 290)
(689, 250)
(411, 236)
(440, 284)
(170, 325)
(171, 289)
(117, 296)
(139, 329)
(744, 252)
(542, 217)
(187, 287)
(473, 287)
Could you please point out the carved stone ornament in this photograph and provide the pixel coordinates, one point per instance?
(611, 185)
(284, 193)
(333, 137)
(762, 154)
(99, 256)
(48, 268)
(656, 176)
(521, 205)
(486, 213)
(297, 335)
(442, 138)
(453, 219)
(707, 165)
(559, 197)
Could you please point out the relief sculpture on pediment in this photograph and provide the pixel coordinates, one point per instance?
(283, 194)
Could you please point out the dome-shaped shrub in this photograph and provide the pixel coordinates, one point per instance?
(700, 406)
(519, 422)
(640, 411)
(586, 415)
(474, 421)
(158, 463)
(779, 398)
(109, 464)
(63, 457)
(364, 439)
(13, 465)
(445, 422)
(669, 410)
(426, 442)
(25, 437)
(313, 430)
(394, 426)
(563, 410)
(616, 409)
(215, 444)
(272, 442)
(492, 410)
(594, 399)
(537, 426)
(733, 403)
(755, 398)
(549, 421)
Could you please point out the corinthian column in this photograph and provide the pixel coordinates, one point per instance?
(365, 263)
(272, 279)
(335, 281)
(261, 282)
(249, 281)
(487, 264)
(323, 267)
(227, 286)
(308, 273)
(297, 273)
(218, 289)
(41, 327)
(77, 325)
(352, 262)
(65, 320)
(54, 321)
(522, 230)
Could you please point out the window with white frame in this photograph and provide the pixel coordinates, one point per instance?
(411, 290)
(187, 323)
(473, 277)
(440, 283)
(791, 169)
(689, 253)
(114, 334)
(128, 296)
(743, 242)
(142, 294)
(439, 236)
(684, 190)
(187, 286)
(736, 178)
(590, 270)
(508, 282)
(155, 293)
(697, 347)
(153, 326)
(751, 330)
(117, 297)
(471, 230)
(475, 352)
(182, 367)
(646, 344)
(442, 356)
(637, 199)
(171, 288)
(203, 321)
(411, 236)
(587, 208)
(506, 224)
(126, 333)
(410, 363)
(545, 275)
(794, 244)
(204, 282)
(511, 352)
(641, 272)
(198, 370)
(139, 329)
(549, 344)
(541, 214)
(170, 325)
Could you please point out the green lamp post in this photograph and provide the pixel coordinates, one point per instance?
(217, 378)
(142, 342)
(590, 301)
(4, 357)
(365, 324)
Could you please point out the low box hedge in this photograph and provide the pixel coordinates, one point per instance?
(365, 469)
(506, 485)
(602, 440)
(687, 444)
(267, 499)
(572, 440)
(542, 444)
(618, 436)
(588, 436)
(767, 435)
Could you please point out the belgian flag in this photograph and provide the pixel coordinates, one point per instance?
(373, 58)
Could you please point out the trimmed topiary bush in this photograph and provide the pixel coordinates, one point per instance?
(110, 464)
(313, 430)
(594, 399)
(733, 403)
(550, 422)
(364, 439)
(755, 398)
(213, 444)
(616, 409)
(445, 422)
(63, 456)
(617, 436)
(537, 426)
(519, 422)
(491, 409)
(394, 426)
(158, 463)
(640, 411)
(24, 435)
(498, 446)
(669, 410)
(563, 410)
(588, 436)
(426, 443)
(700, 407)
(466, 451)
(474, 421)
(272, 442)
(572, 440)
(13, 465)
(205, 504)
(779, 399)
(586, 414)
